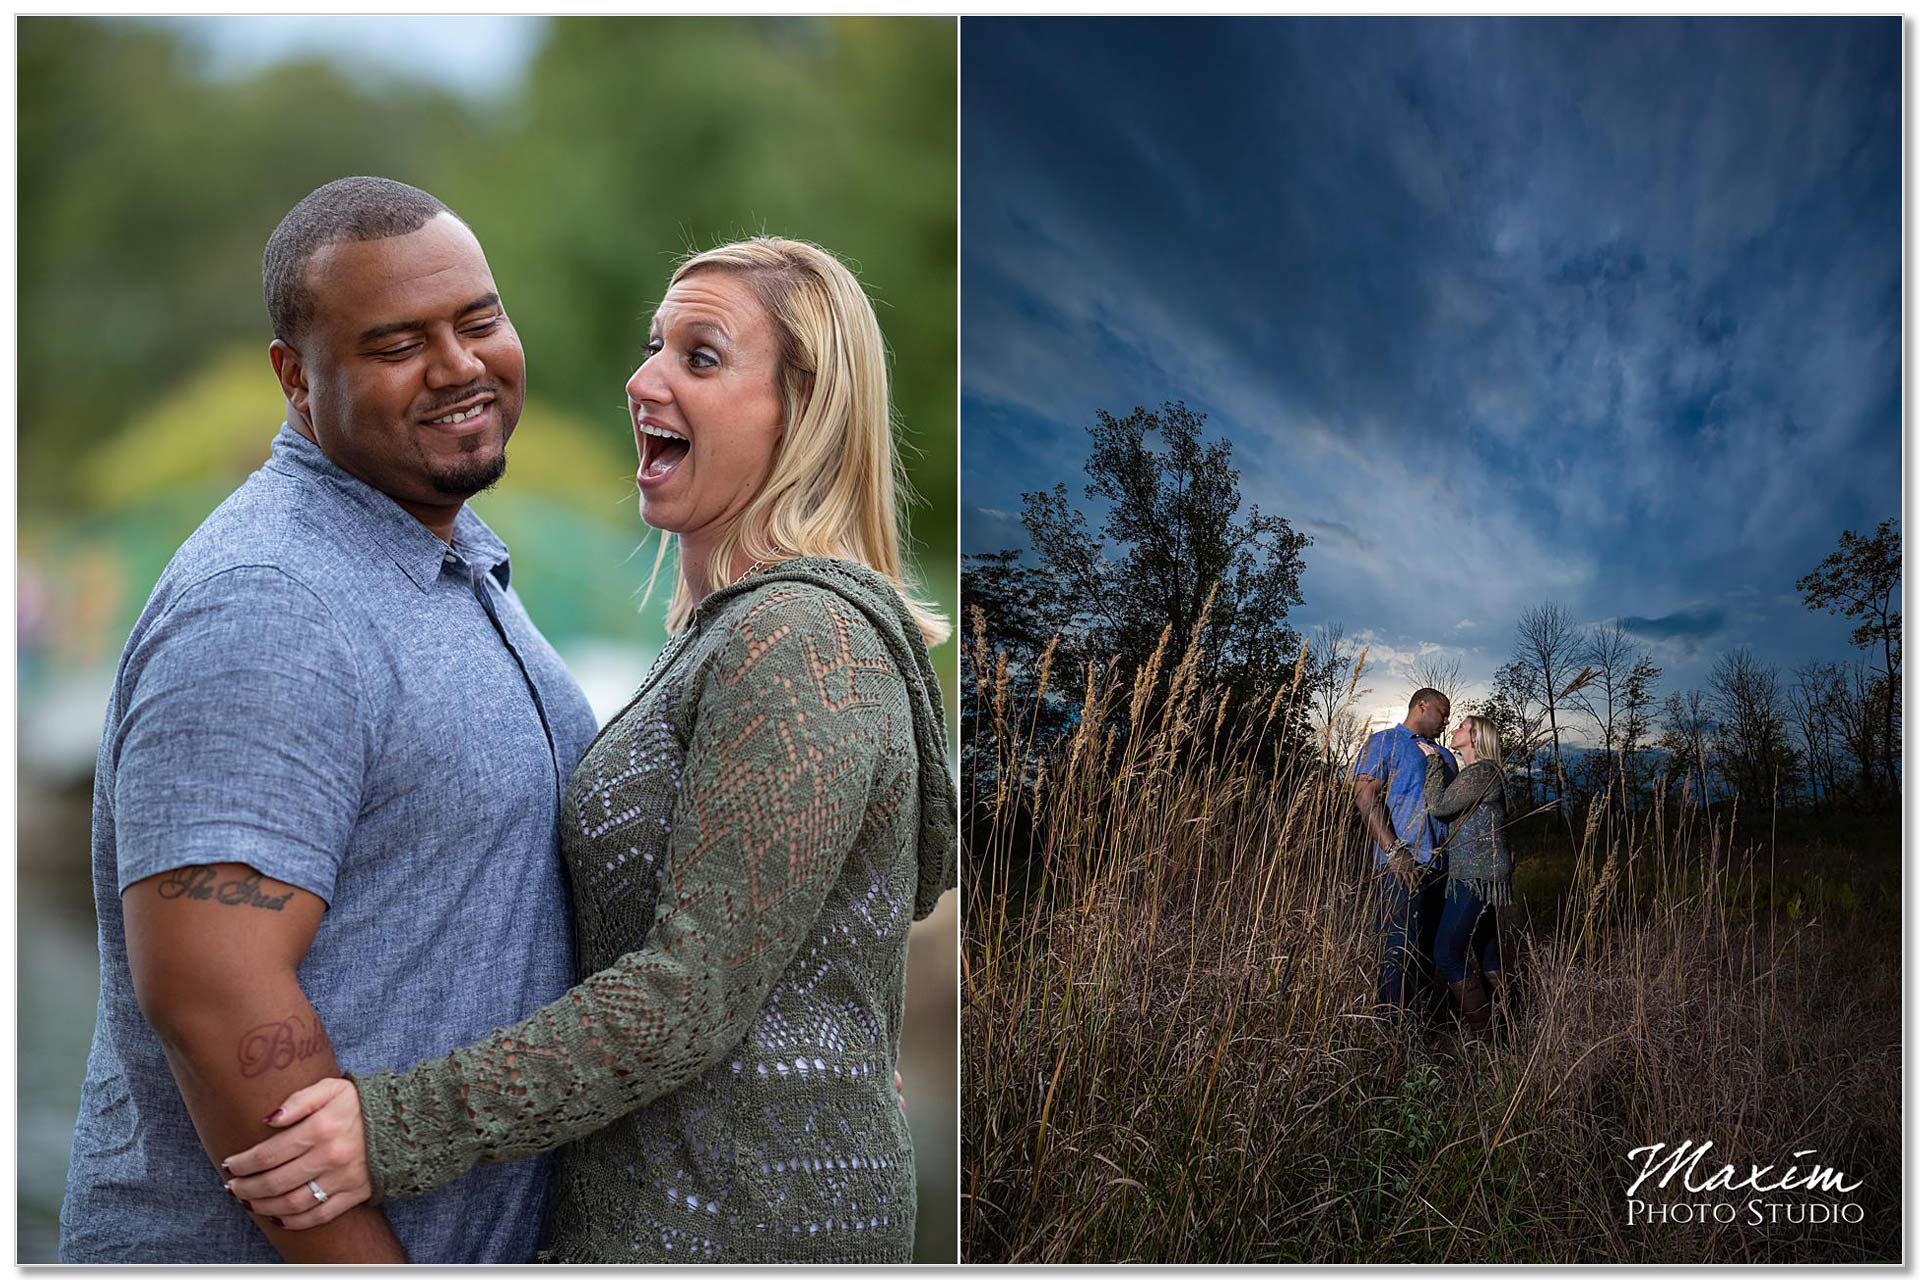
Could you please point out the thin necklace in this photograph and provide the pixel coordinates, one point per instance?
(756, 567)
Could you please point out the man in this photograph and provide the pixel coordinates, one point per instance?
(326, 803)
(1390, 781)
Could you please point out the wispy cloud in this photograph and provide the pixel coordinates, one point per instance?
(1605, 312)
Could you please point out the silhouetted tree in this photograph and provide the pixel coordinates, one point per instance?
(1171, 532)
(1861, 580)
(1685, 737)
(1854, 700)
(1750, 733)
(1438, 671)
(1618, 700)
(1516, 709)
(1813, 703)
(1637, 719)
(1546, 642)
(1332, 684)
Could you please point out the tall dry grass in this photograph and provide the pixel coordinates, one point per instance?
(1170, 1052)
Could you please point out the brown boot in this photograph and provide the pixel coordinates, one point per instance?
(1475, 1015)
(1501, 1011)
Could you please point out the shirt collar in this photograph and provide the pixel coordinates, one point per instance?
(411, 545)
(480, 545)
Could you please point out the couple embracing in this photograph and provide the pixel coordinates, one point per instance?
(1441, 864)
(400, 958)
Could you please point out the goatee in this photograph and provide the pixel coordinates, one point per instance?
(467, 478)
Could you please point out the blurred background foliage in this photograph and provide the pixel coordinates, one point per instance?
(150, 178)
(148, 189)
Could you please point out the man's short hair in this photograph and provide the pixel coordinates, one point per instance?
(1427, 695)
(344, 209)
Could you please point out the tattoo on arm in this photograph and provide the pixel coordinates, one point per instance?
(273, 1046)
(196, 884)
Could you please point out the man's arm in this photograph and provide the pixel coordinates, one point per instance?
(214, 952)
(1370, 794)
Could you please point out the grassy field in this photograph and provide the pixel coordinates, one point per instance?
(1170, 1055)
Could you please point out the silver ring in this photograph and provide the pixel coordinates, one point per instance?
(319, 1196)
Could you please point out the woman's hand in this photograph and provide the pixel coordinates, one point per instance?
(1426, 748)
(323, 1143)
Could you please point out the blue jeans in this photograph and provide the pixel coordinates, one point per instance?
(1408, 921)
(1467, 927)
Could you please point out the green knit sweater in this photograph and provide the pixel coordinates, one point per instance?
(1474, 805)
(748, 843)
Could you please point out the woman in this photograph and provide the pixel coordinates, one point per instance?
(747, 842)
(1479, 868)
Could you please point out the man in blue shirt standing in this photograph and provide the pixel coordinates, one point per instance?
(326, 806)
(1390, 787)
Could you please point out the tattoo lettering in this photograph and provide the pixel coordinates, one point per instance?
(197, 884)
(245, 892)
(273, 1046)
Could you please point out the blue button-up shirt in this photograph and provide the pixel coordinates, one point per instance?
(322, 689)
(1394, 757)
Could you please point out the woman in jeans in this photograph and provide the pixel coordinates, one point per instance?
(1479, 866)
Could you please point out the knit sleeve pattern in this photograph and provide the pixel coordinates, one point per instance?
(1447, 801)
(782, 755)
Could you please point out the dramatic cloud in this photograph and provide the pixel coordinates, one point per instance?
(1605, 312)
(1686, 624)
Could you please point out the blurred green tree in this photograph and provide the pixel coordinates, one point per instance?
(146, 196)
(640, 141)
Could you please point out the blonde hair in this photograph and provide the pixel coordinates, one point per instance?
(1486, 740)
(837, 487)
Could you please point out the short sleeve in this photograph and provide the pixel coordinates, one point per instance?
(240, 738)
(1375, 758)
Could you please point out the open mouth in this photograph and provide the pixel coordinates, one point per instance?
(661, 450)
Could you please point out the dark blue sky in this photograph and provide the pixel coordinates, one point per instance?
(1498, 311)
